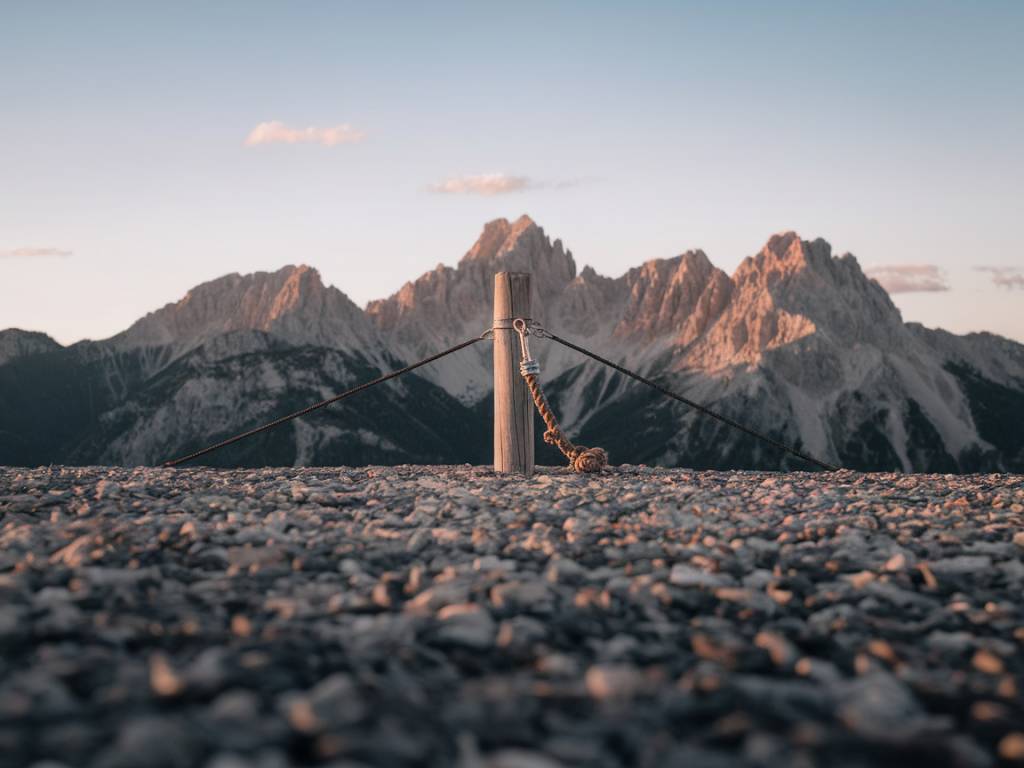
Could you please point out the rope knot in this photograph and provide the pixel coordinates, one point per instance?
(589, 459)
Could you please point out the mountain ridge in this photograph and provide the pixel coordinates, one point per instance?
(797, 339)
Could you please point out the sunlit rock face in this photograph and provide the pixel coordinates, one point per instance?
(448, 305)
(797, 343)
(291, 304)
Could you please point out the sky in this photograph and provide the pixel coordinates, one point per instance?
(148, 147)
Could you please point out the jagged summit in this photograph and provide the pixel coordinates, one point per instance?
(500, 236)
(292, 303)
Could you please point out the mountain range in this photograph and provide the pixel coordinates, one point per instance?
(797, 343)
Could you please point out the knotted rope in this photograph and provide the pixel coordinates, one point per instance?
(581, 459)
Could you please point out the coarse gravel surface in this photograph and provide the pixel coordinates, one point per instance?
(448, 616)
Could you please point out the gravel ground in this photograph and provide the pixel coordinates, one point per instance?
(437, 616)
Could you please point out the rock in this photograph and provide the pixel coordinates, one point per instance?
(879, 706)
(470, 628)
(528, 596)
(520, 758)
(333, 702)
(438, 596)
(783, 653)
(961, 565)
(686, 576)
(564, 571)
(614, 681)
(150, 741)
(520, 632)
(162, 678)
(987, 662)
(795, 701)
(1011, 747)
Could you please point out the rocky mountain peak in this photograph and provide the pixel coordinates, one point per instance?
(501, 236)
(454, 298)
(676, 299)
(794, 289)
(292, 303)
(520, 245)
(783, 255)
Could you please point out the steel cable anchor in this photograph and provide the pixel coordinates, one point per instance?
(527, 365)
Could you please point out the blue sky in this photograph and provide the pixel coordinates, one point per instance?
(630, 131)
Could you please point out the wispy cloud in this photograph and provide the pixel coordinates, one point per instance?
(484, 184)
(488, 184)
(33, 253)
(1005, 277)
(909, 278)
(276, 132)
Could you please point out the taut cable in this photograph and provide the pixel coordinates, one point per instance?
(323, 403)
(541, 332)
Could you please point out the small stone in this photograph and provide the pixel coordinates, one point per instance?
(333, 702)
(528, 596)
(558, 665)
(520, 633)
(564, 571)
(469, 626)
(683, 575)
(438, 596)
(1011, 746)
(160, 742)
(961, 565)
(240, 626)
(783, 653)
(229, 760)
(162, 678)
(987, 662)
(861, 579)
(877, 703)
(896, 563)
(520, 758)
(613, 681)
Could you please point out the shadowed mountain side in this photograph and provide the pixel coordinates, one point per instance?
(204, 397)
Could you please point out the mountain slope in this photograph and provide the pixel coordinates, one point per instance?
(15, 342)
(291, 304)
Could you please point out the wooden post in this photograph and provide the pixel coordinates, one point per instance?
(513, 408)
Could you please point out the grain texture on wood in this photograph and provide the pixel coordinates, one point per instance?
(513, 408)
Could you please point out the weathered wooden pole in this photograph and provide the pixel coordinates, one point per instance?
(513, 414)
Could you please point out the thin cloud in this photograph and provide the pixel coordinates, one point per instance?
(488, 184)
(33, 253)
(909, 278)
(1005, 277)
(484, 184)
(276, 132)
